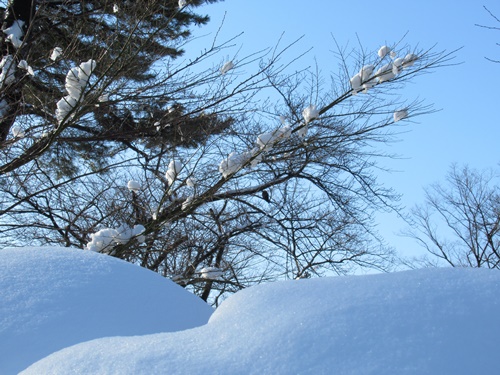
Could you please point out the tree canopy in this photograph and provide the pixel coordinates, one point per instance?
(113, 142)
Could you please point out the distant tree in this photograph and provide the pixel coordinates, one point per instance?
(114, 142)
(460, 222)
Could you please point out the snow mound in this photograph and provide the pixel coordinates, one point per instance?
(51, 298)
(436, 321)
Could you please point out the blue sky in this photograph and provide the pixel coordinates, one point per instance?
(465, 130)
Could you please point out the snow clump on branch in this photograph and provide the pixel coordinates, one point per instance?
(409, 60)
(15, 33)
(211, 273)
(23, 64)
(366, 78)
(174, 168)
(310, 113)
(56, 53)
(105, 239)
(383, 51)
(17, 131)
(226, 67)
(187, 202)
(133, 186)
(8, 67)
(266, 140)
(76, 81)
(232, 164)
(400, 115)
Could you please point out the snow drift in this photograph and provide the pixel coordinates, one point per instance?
(51, 298)
(436, 321)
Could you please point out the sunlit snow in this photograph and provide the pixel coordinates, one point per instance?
(76, 81)
(266, 140)
(409, 60)
(383, 51)
(174, 168)
(52, 298)
(23, 64)
(431, 321)
(232, 164)
(385, 73)
(310, 113)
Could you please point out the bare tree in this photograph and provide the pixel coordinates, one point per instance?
(460, 222)
(495, 28)
(117, 144)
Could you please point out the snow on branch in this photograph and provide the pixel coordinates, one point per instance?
(227, 67)
(56, 53)
(8, 67)
(265, 142)
(76, 81)
(400, 115)
(105, 239)
(367, 77)
(310, 113)
(15, 33)
(134, 186)
(211, 273)
(174, 168)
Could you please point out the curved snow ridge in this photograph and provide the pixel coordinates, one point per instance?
(51, 298)
(434, 321)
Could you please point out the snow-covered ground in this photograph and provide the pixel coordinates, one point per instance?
(434, 321)
(51, 298)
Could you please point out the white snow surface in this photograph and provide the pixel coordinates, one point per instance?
(431, 321)
(51, 298)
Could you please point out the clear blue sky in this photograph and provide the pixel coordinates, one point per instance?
(466, 130)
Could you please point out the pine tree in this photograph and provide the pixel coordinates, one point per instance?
(59, 35)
